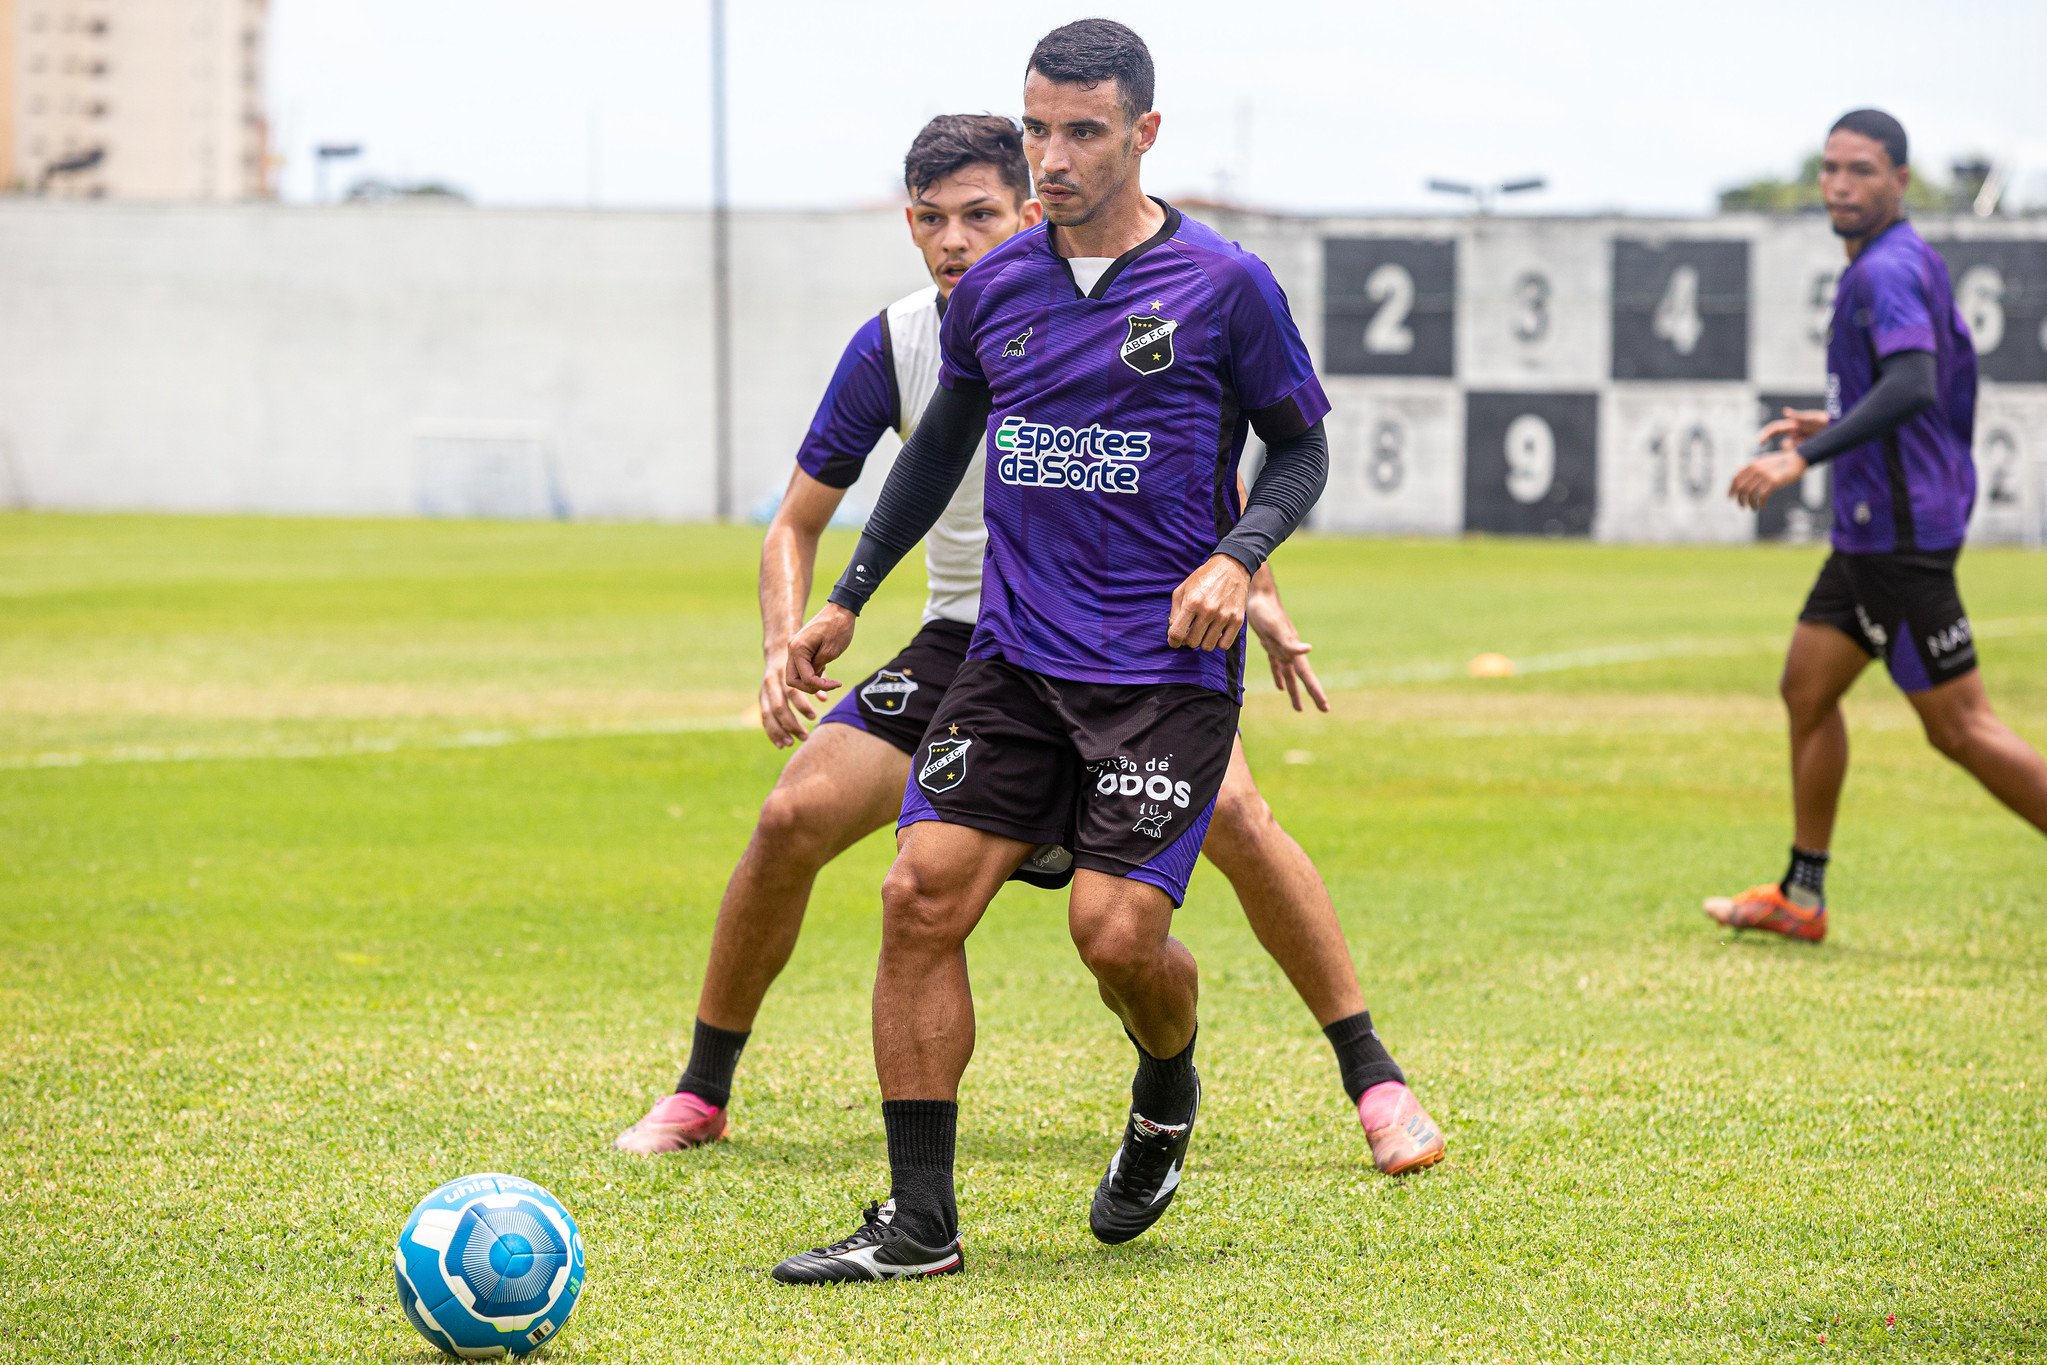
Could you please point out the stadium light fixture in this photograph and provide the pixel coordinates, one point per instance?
(1483, 197)
(324, 153)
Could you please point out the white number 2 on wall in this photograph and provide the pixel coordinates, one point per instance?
(1392, 288)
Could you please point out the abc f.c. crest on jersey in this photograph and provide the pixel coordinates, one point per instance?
(889, 692)
(1148, 347)
(945, 764)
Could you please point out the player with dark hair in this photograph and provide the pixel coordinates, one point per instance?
(970, 189)
(1901, 407)
(1115, 360)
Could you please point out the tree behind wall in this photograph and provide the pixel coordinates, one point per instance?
(1801, 194)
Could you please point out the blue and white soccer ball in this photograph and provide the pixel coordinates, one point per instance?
(489, 1266)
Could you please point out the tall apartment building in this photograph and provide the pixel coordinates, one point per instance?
(133, 99)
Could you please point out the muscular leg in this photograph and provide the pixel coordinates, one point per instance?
(1148, 978)
(1283, 896)
(1960, 723)
(941, 883)
(1145, 975)
(1288, 904)
(841, 786)
(943, 878)
(1820, 667)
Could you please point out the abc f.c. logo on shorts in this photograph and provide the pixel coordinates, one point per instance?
(889, 693)
(945, 764)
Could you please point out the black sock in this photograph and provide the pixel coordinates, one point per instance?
(713, 1057)
(1163, 1089)
(1360, 1056)
(921, 1135)
(1805, 881)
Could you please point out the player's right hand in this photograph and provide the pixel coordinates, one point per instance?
(1799, 424)
(1755, 481)
(827, 636)
(1209, 606)
(779, 706)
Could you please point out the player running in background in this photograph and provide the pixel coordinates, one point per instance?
(1115, 360)
(1901, 407)
(969, 186)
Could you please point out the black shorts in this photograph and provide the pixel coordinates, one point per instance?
(1123, 775)
(1904, 609)
(896, 701)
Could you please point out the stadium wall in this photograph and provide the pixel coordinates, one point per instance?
(1578, 377)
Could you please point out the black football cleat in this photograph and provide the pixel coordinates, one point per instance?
(878, 1250)
(1143, 1175)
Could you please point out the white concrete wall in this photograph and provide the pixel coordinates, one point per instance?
(448, 360)
(346, 360)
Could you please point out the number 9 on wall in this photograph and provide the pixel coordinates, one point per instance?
(1530, 463)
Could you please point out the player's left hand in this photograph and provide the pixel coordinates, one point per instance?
(828, 635)
(780, 704)
(1755, 481)
(1208, 609)
(1285, 650)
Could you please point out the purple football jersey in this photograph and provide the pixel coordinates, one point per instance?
(1118, 418)
(1912, 490)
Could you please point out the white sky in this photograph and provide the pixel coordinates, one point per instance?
(1289, 104)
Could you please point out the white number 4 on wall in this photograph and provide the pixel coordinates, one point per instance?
(1677, 318)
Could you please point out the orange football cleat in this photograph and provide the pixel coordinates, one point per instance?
(1766, 907)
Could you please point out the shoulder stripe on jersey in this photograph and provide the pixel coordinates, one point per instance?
(1903, 528)
(1904, 532)
(888, 367)
(1226, 441)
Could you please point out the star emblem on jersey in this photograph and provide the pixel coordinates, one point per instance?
(888, 693)
(945, 765)
(1015, 345)
(1148, 345)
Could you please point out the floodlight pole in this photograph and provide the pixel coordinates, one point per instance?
(721, 275)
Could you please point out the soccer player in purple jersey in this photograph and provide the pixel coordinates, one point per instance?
(970, 190)
(1114, 361)
(1901, 407)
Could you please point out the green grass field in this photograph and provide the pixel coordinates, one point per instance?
(339, 859)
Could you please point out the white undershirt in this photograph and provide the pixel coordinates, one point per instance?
(1088, 270)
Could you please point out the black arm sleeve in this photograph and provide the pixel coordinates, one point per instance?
(1292, 478)
(1907, 387)
(926, 475)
